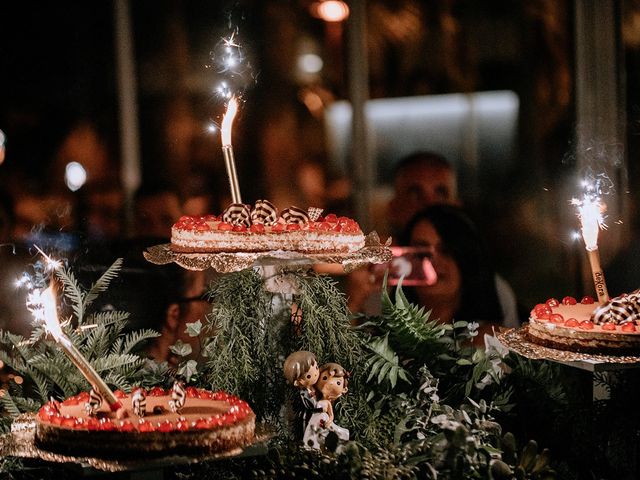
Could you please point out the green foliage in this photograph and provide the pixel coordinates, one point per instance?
(238, 339)
(408, 332)
(383, 363)
(48, 372)
(250, 331)
(407, 422)
(410, 327)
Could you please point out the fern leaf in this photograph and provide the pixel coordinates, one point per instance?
(8, 405)
(37, 333)
(102, 284)
(106, 318)
(42, 384)
(133, 340)
(411, 330)
(384, 362)
(97, 343)
(16, 363)
(114, 362)
(118, 380)
(72, 291)
(25, 404)
(117, 345)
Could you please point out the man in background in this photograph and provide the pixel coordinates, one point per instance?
(420, 180)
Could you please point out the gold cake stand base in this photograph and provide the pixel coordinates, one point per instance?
(517, 340)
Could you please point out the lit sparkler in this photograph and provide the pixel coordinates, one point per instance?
(590, 213)
(227, 150)
(229, 61)
(50, 316)
(51, 263)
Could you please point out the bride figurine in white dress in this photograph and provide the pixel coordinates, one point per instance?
(331, 384)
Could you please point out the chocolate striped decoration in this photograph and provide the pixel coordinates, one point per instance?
(139, 403)
(295, 215)
(94, 403)
(237, 214)
(178, 397)
(264, 212)
(620, 310)
(314, 213)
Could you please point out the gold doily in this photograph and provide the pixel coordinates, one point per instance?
(373, 252)
(21, 443)
(516, 339)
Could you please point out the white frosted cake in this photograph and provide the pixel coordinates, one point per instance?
(241, 228)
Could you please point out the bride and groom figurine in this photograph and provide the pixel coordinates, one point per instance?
(319, 387)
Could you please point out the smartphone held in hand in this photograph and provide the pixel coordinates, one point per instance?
(412, 265)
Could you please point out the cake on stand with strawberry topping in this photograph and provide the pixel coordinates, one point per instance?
(156, 422)
(261, 228)
(587, 326)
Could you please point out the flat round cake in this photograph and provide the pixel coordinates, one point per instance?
(209, 422)
(587, 326)
(261, 228)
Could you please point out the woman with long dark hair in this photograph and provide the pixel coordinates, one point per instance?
(465, 288)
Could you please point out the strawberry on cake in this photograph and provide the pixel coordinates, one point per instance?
(261, 228)
(587, 326)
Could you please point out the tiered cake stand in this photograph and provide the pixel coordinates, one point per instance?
(274, 266)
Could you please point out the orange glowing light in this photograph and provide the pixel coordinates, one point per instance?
(330, 10)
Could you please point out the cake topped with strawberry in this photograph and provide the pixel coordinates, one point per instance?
(587, 326)
(155, 422)
(261, 228)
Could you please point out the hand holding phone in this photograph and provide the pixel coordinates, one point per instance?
(412, 264)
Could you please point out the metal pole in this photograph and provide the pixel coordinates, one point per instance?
(361, 160)
(130, 171)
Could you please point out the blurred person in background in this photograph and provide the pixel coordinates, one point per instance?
(465, 287)
(45, 219)
(104, 211)
(164, 297)
(421, 180)
(319, 187)
(156, 207)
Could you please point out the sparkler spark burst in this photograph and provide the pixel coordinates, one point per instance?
(38, 300)
(591, 215)
(233, 69)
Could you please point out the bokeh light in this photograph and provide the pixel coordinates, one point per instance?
(75, 176)
(310, 63)
(331, 10)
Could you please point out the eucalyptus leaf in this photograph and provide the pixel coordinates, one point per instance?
(188, 369)
(181, 349)
(194, 329)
